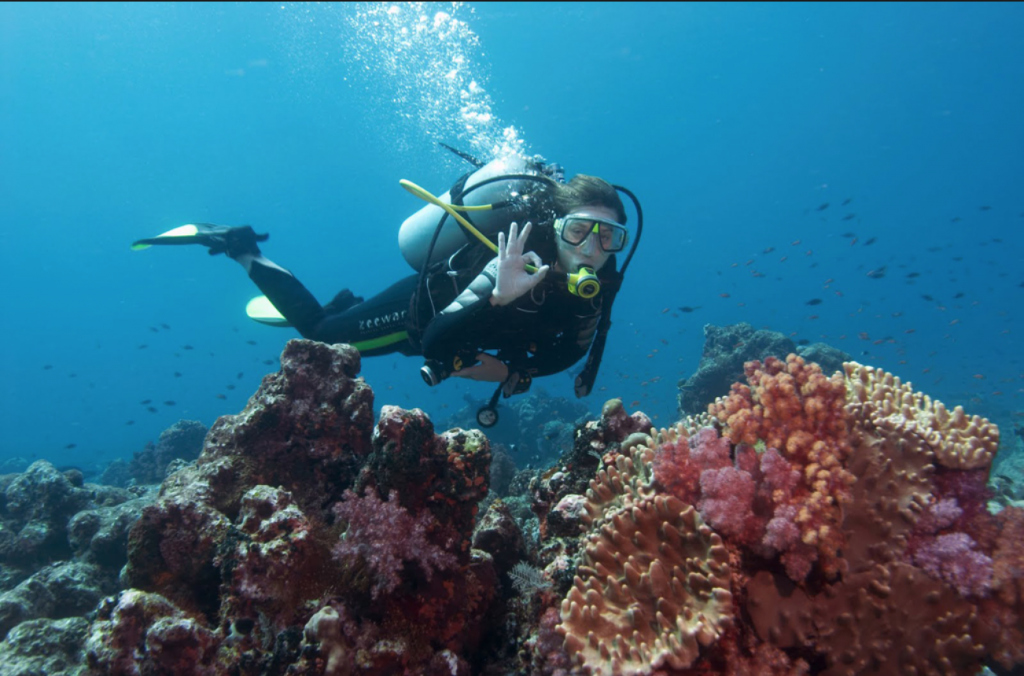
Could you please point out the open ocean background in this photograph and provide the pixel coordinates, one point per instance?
(733, 123)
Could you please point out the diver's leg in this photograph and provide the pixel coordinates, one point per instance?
(288, 295)
(376, 326)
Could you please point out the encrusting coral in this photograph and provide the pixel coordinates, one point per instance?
(654, 583)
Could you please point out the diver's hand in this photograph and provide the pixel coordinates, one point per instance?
(489, 370)
(513, 279)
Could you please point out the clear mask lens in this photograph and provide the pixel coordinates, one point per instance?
(610, 236)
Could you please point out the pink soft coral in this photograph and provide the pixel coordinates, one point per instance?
(952, 558)
(385, 536)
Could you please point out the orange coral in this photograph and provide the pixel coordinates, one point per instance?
(791, 406)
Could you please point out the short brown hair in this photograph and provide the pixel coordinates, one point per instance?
(583, 191)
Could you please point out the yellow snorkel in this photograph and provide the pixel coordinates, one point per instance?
(583, 283)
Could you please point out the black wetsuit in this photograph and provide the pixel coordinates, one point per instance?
(542, 332)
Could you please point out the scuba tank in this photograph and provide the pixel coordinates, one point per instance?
(415, 235)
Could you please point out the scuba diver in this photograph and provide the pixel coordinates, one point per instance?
(538, 300)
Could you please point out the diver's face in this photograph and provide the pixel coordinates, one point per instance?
(588, 253)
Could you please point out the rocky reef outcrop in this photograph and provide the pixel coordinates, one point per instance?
(308, 535)
(728, 348)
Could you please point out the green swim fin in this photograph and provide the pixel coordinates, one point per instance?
(219, 238)
(260, 309)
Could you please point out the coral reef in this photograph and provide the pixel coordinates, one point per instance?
(50, 647)
(62, 545)
(181, 441)
(809, 524)
(653, 585)
(535, 428)
(306, 535)
(841, 524)
(792, 407)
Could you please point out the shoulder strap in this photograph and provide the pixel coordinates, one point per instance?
(585, 380)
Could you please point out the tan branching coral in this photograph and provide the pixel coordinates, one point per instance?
(958, 440)
(654, 584)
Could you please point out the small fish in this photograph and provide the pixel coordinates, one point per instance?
(813, 301)
(846, 201)
(47, 367)
(871, 241)
(877, 273)
(913, 274)
(849, 217)
(129, 423)
(823, 206)
(848, 234)
(803, 341)
(177, 374)
(229, 387)
(146, 401)
(985, 208)
(240, 375)
(154, 329)
(165, 327)
(268, 362)
(250, 342)
(221, 396)
(725, 295)
(169, 402)
(687, 308)
(151, 409)
(909, 331)
(795, 242)
(978, 376)
(70, 446)
(927, 298)
(187, 347)
(768, 250)
(955, 219)
(142, 347)
(958, 259)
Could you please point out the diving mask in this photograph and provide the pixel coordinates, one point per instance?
(574, 229)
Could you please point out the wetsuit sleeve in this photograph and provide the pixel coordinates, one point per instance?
(470, 322)
(456, 328)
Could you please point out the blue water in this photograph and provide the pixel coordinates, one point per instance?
(732, 123)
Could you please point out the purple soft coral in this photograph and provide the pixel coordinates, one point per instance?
(385, 535)
(952, 558)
